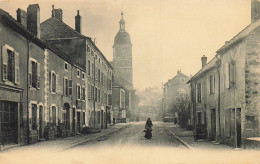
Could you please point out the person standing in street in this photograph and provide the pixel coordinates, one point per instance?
(148, 129)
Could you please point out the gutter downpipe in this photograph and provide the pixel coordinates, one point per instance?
(195, 111)
(218, 68)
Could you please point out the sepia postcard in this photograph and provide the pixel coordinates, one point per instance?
(129, 81)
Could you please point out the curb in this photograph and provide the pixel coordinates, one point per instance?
(179, 139)
(90, 139)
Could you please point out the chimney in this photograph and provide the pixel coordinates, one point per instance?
(178, 72)
(203, 61)
(56, 13)
(78, 22)
(255, 10)
(33, 19)
(22, 17)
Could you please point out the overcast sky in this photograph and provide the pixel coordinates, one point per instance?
(167, 35)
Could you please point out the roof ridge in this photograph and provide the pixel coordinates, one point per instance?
(237, 36)
(65, 25)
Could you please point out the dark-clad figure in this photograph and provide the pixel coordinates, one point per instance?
(148, 128)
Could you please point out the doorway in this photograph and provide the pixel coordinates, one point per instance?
(78, 122)
(102, 119)
(40, 122)
(238, 127)
(67, 116)
(213, 124)
(73, 119)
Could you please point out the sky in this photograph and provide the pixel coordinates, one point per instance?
(167, 35)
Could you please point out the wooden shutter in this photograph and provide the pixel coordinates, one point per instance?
(214, 83)
(70, 87)
(38, 75)
(232, 73)
(58, 88)
(17, 69)
(227, 70)
(30, 72)
(5, 61)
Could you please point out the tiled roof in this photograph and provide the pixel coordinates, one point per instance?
(240, 35)
(54, 28)
(16, 26)
(211, 64)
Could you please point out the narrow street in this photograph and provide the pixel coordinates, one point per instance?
(133, 135)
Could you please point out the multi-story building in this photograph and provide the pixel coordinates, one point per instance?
(236, 67)
(205, 107)
(98, 77)
(42, 89)
(119, 104)
(174, 89)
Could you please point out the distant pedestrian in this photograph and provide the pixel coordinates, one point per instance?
(148, 129)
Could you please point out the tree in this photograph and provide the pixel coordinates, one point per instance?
(180, 105)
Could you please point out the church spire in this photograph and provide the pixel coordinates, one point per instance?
(122, 22)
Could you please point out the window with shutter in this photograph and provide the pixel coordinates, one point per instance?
(89, 67)
(66, 86)
(53, 82)
(58, 88)
(17, 68)
(93, 70)
(212, 84)
(232, 74)
(199, 92)
(5, 61)
(70, 87)
(83, 93)
(38, 75)
(227, 70)
(11, 66)
(78, 91)
(33, 73)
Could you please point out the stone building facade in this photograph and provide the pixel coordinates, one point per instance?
(98, 77)
(42, 90)
(119, 104)
(173, 89)
(205, 100)
(238, 65)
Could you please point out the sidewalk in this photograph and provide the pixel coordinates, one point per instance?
(187, 137)
(69, 142)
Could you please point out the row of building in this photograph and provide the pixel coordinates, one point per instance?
(225, 93)
(55, 81)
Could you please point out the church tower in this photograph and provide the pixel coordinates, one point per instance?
(122, 55)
